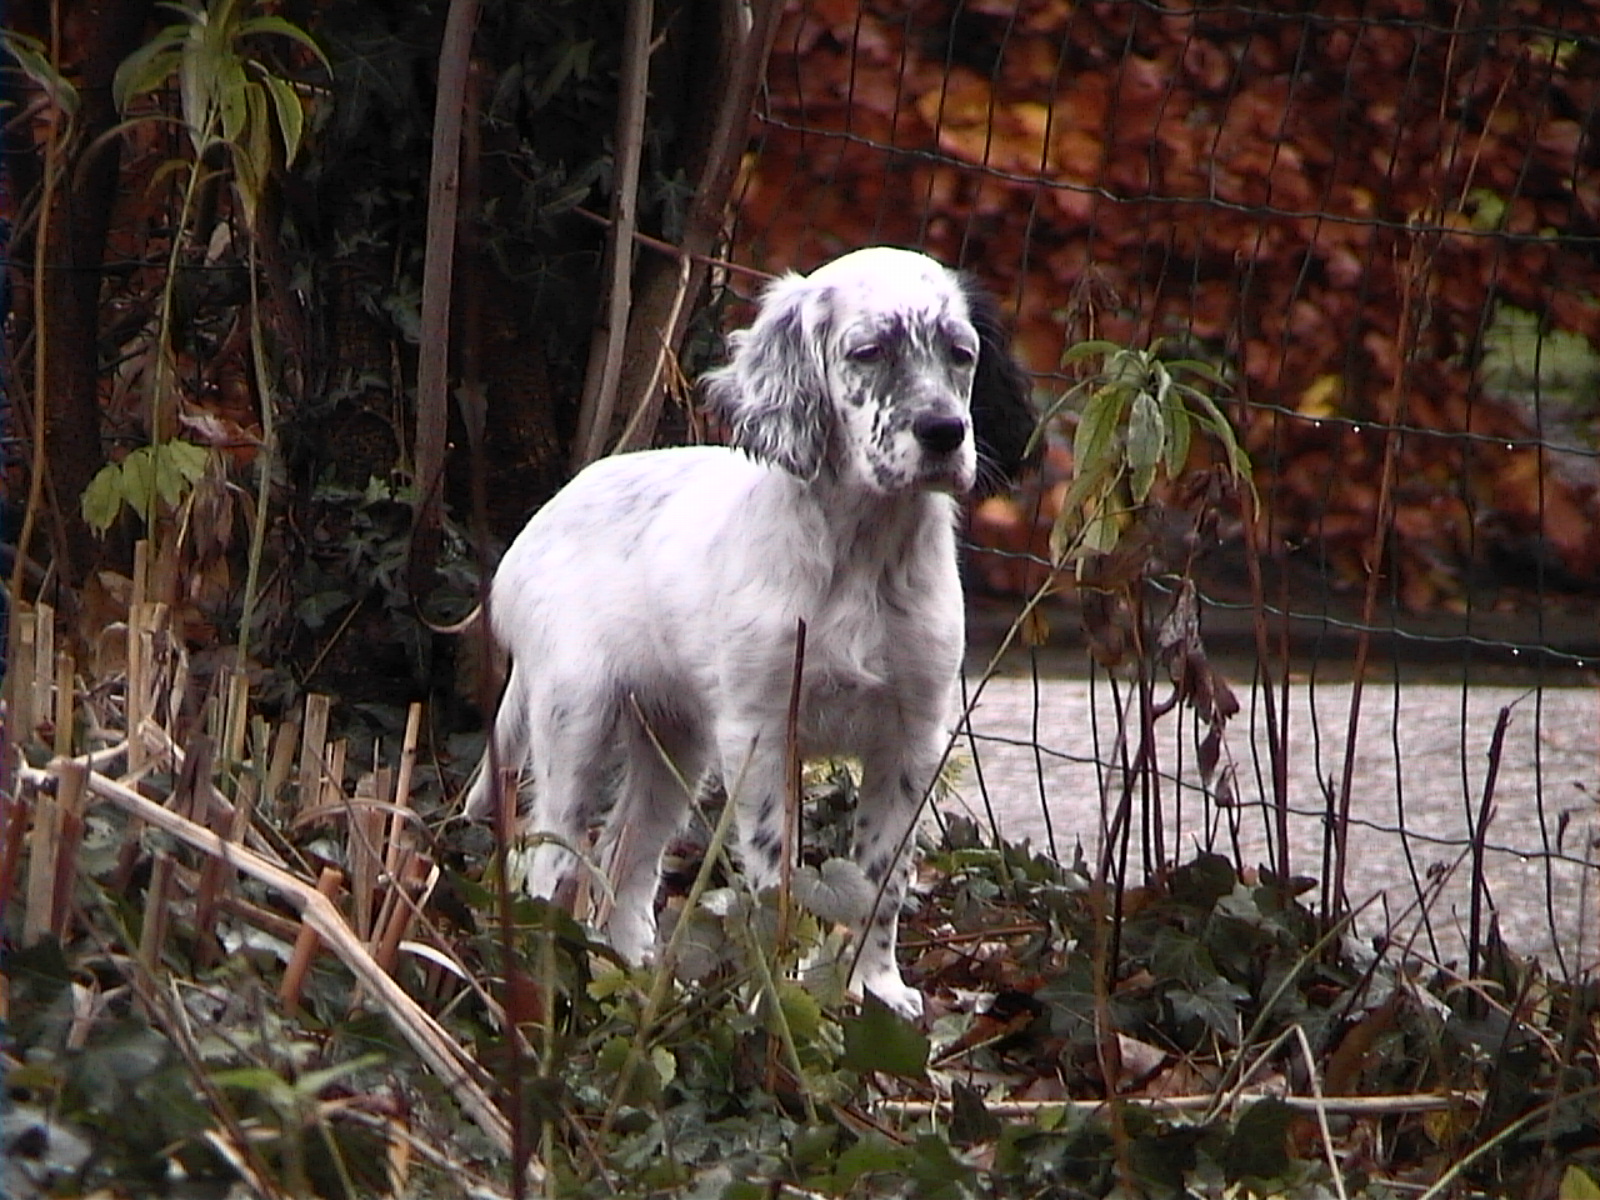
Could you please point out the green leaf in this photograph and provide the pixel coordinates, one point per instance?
(232, 105)
(139, 481)
(1095, 348)
(1204, 881)
(1097, 427)
(291, 116)
(882, 1040)
(30, 56)
(1180, 431)
(1578, 1184)
(1147, 441)
(190, 458)
(1238, 461)
(170, 485)
(277, 25)
(268, 1084)
(194, 92)
(971, 1122)
(1216, 1005)
(102, 499)
(311, 1083)
(1258, 1148)
(801, 1012)
(1195, 366)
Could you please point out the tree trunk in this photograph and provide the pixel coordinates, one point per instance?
(69, 411)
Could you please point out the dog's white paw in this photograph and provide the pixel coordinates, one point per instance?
(893, 991)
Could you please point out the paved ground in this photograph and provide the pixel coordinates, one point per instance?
(1418, 783)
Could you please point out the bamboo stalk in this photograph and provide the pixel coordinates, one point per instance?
(71, 794)
(363, 829)
(44, 662)
(66, 673)
(44, 844)
(280, 761)
(398, 839)
(312, 736)
(24, 660)
(157, 897)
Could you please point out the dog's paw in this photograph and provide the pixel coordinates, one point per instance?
(894, 992)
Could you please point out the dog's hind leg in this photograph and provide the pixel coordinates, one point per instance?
(568, 753)
(652, 799)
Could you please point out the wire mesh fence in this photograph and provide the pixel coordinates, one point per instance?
(1381, 225)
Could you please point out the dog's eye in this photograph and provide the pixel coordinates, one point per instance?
(870, 352)
(962, 356)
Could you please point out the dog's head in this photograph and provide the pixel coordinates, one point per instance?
(874, 369)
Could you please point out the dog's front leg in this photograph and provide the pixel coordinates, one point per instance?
(892, 788)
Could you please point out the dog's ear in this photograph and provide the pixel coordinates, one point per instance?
(774, 392)
(1003, 416)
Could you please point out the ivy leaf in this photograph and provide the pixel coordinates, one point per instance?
(882, 1040)
(971, 1122)
(1216, 1005)
(839, 891)
(1258, 1148)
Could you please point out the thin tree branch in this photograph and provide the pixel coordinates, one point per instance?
(605, 355)
(438, 273)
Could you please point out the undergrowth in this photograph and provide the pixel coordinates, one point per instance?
(1186, 1065)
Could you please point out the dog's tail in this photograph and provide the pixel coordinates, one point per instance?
(482, 668)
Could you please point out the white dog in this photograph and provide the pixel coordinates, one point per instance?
(664, 589)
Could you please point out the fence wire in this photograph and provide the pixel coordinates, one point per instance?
(1381, 222)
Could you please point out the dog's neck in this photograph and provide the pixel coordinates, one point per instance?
(871, 527)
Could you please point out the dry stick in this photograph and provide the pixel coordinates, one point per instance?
(454, 1066)
(1277, 716)
(414, 883)
(790, 842)
(138, 665)
(58, 131)
(1480, 832)
(1348, 1106)
(333, 780)
(1334, 894)
(658, 329)
(605, 359)
(438, 270)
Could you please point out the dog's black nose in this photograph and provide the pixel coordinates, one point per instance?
(939, 435)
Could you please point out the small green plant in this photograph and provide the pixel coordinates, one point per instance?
(238, 111)
(1137, 424)
(165, 472)
(229, 97)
